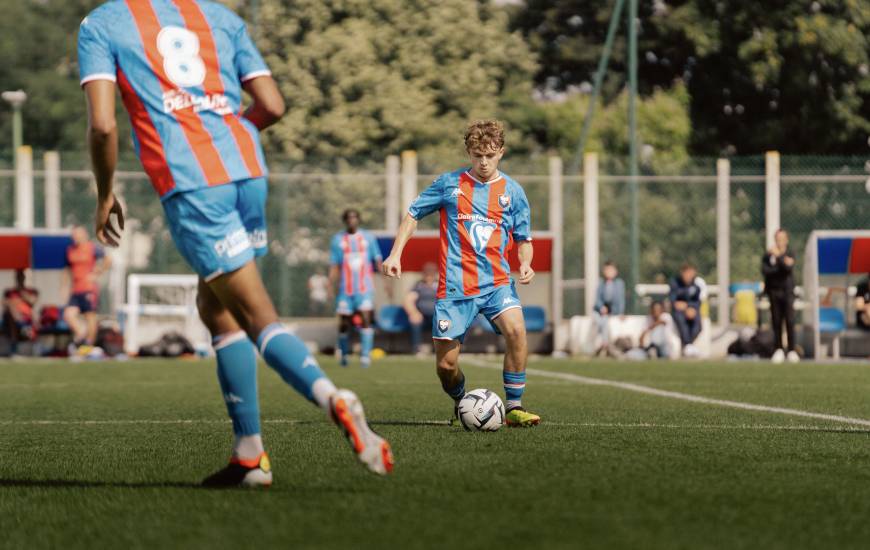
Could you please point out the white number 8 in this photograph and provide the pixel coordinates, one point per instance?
(181, 61)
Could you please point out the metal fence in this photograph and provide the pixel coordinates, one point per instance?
(676, 215)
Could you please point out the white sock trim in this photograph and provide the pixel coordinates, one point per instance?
(228, 339)
(248, 447)
(322, 390)
(273, 333)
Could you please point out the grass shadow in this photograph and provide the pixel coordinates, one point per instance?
(86, 484)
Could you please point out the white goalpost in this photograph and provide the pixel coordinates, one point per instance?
(170, 304)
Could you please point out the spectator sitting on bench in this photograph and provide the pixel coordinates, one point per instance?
(862, 304)
(659, 326)
(18, 303)
(609, 300)
(685, 298)
(419, 304)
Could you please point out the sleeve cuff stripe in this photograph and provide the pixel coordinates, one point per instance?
(98, 76)
(255, 74)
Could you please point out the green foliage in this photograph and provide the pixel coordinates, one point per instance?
(369, 78)
(38, 55)
(790, 76)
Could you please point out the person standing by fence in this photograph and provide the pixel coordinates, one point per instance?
(777, 266)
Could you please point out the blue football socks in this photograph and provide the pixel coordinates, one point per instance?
(514, 385)
(237, 374)
(290, 358)
(343, 347)
(456, 392)
(367, 340)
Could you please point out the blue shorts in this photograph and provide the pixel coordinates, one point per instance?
(85, 301)
(221, 228)
(453, 318)
(348, 304)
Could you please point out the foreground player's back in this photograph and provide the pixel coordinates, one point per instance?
(180, 65)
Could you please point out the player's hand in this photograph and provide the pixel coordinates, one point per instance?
(526, 274)
(415, 318)
(789, 261)
(392, 267)
(103, 228)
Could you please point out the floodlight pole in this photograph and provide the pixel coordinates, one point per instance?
(16, 100)
(596, 88)
(634, 274)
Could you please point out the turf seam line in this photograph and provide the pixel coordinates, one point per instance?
(679, 395)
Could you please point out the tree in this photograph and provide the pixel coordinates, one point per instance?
(792, 76)
(38, 55)
(368, 78)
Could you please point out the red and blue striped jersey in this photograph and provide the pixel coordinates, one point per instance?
(479, 223)
(179, 65)
(354, 253)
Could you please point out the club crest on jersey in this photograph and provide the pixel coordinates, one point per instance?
(504, 200)
(443, 324)
(480, 234)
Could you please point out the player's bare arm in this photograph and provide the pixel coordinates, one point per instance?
(525, 252)
(392, 266)
(409, 304)
(268, 106)
(334, 275)
(102, 139)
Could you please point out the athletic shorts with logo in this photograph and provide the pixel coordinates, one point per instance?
(347, 304)
(453, 318)
(219, 229)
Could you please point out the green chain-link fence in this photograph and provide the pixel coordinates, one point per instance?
(677, 214)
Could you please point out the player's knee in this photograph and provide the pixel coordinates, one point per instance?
(447, 363)
(515, 331)
(344, 324)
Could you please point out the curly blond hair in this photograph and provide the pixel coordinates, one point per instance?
(484, 135)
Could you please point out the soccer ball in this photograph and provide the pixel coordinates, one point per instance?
(481, 411)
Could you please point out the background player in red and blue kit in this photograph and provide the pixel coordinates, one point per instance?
(85, 261)
(482, 213)
(352, 253)
(181, 66)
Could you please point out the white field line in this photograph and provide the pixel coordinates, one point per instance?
(617, 425)
(681, 396)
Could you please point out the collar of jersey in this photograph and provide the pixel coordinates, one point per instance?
(475, 180)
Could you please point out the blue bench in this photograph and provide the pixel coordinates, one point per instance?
(393, 320)
(832, 321)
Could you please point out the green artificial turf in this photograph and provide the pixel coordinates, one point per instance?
(109, 454)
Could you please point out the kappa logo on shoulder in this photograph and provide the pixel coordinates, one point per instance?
(443, 324)
(456, 193)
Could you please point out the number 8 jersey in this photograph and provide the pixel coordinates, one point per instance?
(180, 65)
